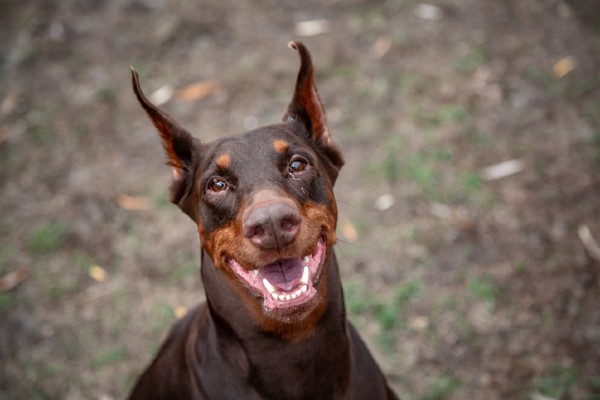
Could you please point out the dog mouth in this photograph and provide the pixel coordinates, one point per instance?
(286, 284)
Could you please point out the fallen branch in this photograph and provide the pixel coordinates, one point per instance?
(585, 235)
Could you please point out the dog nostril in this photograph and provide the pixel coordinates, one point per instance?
(258, 231)
(286, 224)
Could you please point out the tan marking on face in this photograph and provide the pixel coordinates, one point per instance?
(228, 241)
(280, 146)
(223, 161)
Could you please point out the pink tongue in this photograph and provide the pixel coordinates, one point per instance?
(283, 274)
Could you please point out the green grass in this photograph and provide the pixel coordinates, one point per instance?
(545, 78)
(46, 237)
(7, 302)
(59, 290)
(468, 63)
(371, 18)
(108, 357)
(445, 114)
(557, 382)
(6, 255)
(106, 94)
(342, 72)
(594, 387)
(596, 146)
(422, 171)
(389, 313)
(410, 82)
(161, 199)
(184, 269)
(40, 133)
(442, 388)
(40, 119)
(484, 289)
(162, 318)
(391, 166)
(521, 267)
(472, 181)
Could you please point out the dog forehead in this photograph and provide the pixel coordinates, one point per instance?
(257, 147)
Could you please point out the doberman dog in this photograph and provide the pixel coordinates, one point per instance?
(274, 324)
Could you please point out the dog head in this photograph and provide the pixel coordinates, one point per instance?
(263, 202)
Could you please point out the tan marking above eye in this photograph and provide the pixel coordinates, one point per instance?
(280, 146)
(223, 161)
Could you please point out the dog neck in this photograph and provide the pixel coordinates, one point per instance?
(317, 349)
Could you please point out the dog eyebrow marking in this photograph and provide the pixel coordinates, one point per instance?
(280, 146)
(223, 161)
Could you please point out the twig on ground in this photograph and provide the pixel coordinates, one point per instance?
(585, 235)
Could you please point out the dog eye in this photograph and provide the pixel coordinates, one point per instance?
(297, 165)
(217, 185)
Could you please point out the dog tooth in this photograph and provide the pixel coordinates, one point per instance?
(254, 273)
(294, 295)
(305, 275)
(306, 259)
(304, 288)
(298, 292)
(281, 297)
(287, 297)
(268, 285)
(274, 296)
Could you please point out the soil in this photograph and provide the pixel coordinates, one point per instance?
(465, 285)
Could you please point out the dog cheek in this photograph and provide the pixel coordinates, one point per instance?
(220, 242)
(321, 217)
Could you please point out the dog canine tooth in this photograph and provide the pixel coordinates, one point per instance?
(268, 285)
(254, 273)
(306, 259)
(305, 275)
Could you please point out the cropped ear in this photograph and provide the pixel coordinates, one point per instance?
(305, 105)
(178, 144)
(307, 109)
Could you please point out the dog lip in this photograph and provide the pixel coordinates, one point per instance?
(277, 291)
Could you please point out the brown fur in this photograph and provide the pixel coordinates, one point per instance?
(236, 345)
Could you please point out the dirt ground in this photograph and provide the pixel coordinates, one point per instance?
(467, 282)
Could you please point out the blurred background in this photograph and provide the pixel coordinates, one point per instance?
(469, 204)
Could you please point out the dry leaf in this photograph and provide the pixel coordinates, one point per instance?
(348, 230)
(563, 66)
(3, 135)
(13, 279)
(197, 90)
(590, 244)
(382, 45)
(539, 396)
(455, 215)
(384, 202)
(162, 95)
(312, 28)
(428, 12)
(419, 323)
(97, 273)
(133, 203)
(9, 103)
(502, 170)
(180, 312)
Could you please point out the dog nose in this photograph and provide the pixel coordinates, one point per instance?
(272, 225)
